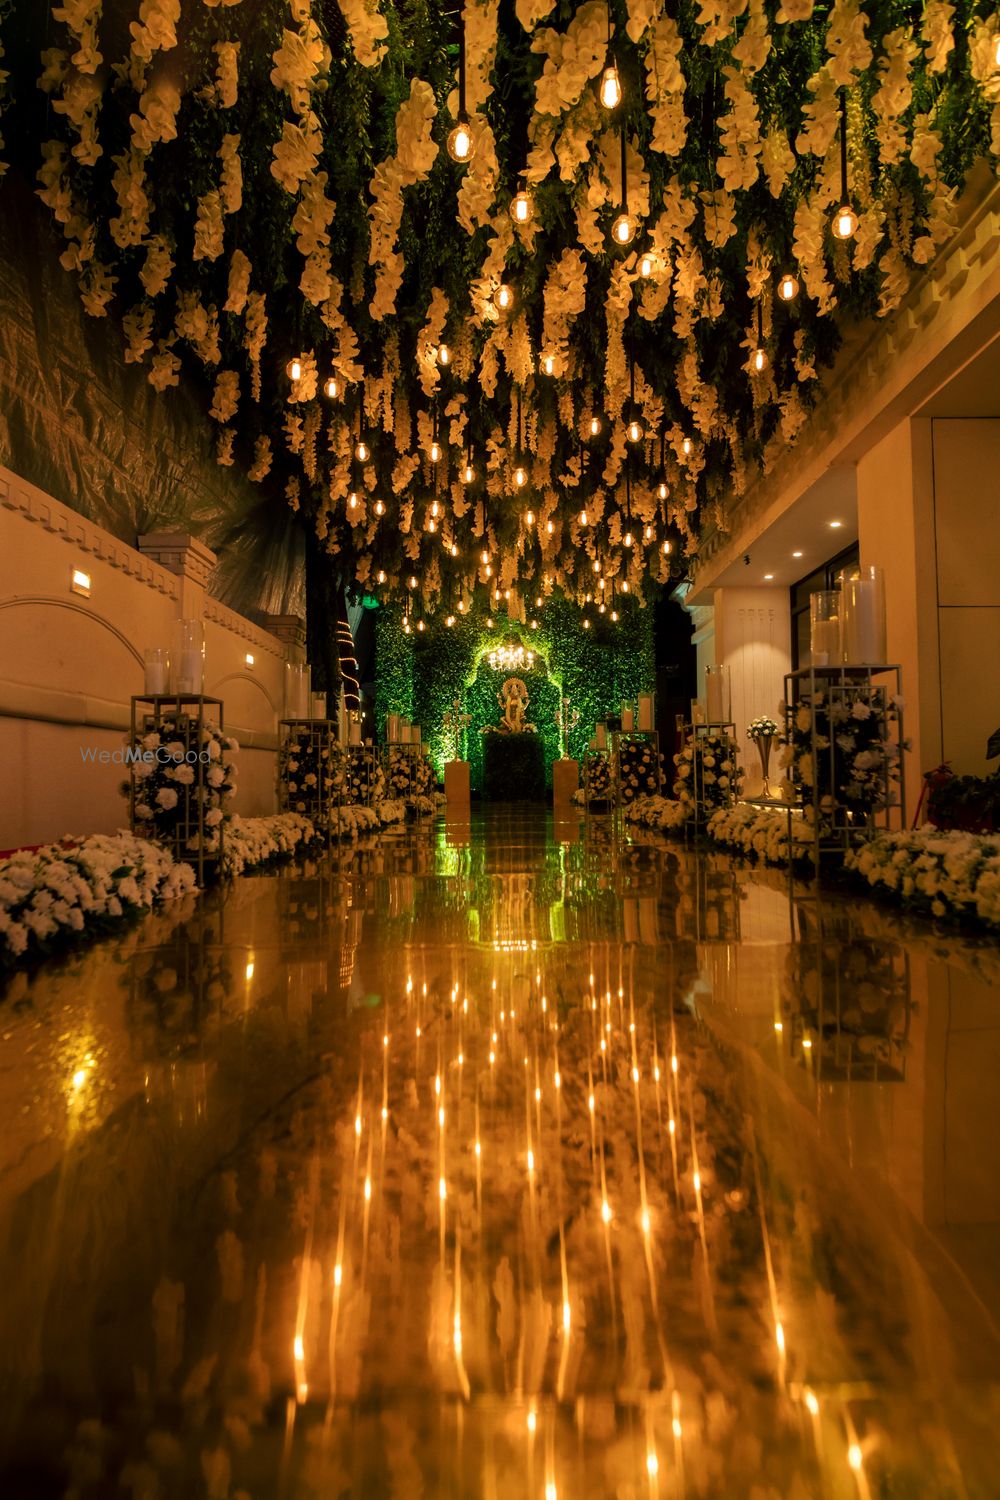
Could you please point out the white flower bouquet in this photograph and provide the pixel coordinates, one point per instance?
(53, 896)
(183, 781)
(708, 773)
(761, 728)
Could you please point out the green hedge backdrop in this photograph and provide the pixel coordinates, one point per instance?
(420, 674)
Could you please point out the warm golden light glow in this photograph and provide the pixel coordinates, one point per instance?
(759, 360)
(331, 389)
(294, 369)
(635, 431)
(520, 207)
(645, 265)
(611, 87)
(623, 229)
(788, 287)
(361, 452)
(845, 222)
(595, 426)
(504, 298)
(444, 355)
(461, 142)
(520, 477)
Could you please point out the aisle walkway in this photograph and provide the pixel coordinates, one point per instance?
(504, 1160)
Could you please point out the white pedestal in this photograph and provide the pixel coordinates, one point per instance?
(565, 780)
(457, 786)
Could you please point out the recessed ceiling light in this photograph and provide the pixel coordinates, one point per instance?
(796, 554)
(836, 524)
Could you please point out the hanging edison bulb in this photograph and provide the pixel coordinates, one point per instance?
(361, 452)
(788, 287)
(687, 447)
(352, 500)
(331, 389)
(583, 518)
(461, 141)
(548, 364)
(662, 491)
(611, 87)
(449, 621)
(380, 576)
(602, 608)
(435, 452)
(380, 507)
(623, 229)
(845, 222)
(420, 624)
(520, 477)
(585, 623)
(597, 564)
(504, 298)
(454, 549)
(489, 622)
(444, 354)
(667, 549)
(625, 586)
(431, 526)
(521, 207)
(627, 539)
(635, 432)
(614, 616)
(646, 265)
(647, 535)
(294, 369)
(435, 509)
(759, 360)
(595, 426)
(529, 518)
(484, 557)
(549, 527)
(412, 581)
(468, 474)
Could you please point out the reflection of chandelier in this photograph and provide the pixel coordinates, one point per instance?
(511, 659)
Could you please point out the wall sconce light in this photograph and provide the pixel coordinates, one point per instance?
(249, 658)
(79, 582)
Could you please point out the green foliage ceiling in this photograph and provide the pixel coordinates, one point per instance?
(247, 182)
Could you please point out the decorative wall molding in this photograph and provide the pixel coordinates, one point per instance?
(180, 553)
(53, 602)
(220, 614)
(245, 677)
(34, 505)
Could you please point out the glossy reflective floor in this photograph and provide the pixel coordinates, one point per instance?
(507, 1159)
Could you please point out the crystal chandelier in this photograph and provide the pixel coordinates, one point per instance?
(511, 659)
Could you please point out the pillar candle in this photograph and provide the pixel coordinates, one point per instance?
(191, 671)
(601, 736)
(156, 677)
(393, 728)
(825, 642)
(715, 692)
(645, 710)
(355, 732)
(414, 734)
(628, 718)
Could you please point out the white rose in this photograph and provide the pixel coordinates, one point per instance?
(166, 798)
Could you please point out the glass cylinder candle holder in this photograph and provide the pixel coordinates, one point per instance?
(601, 736)
(717, 695)
(645, 710)
(318, 701)
(156, 662)
(863, 636)
(697, 711)
(628, 718)
(825, 614)
(298, 696)
(189, 658)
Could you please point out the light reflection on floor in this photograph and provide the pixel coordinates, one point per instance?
(504, 1159)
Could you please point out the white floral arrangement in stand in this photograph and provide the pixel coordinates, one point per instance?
(707, 763)
(58, 894)
(171, 773)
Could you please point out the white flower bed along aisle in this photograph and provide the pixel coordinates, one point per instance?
(954, 875)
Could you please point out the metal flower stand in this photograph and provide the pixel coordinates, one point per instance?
(181, 717)
(362, 774)
(707, 802)
(311, 778)
(399, 758)
(830, 695)
(626, 758)
(598, 780)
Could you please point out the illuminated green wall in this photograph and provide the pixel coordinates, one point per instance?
(420, 674)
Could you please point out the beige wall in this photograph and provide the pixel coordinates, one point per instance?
(69, 666)
(929, 514)
(753, 638)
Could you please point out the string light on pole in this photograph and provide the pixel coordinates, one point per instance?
(610, 91)
(845, 220)
(461, 141)
(624, 227)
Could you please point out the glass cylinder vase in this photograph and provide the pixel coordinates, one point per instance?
(718, 695)
(863, 636)
(156, 666)
(825, 614)
(189, 658)
(297, 690)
